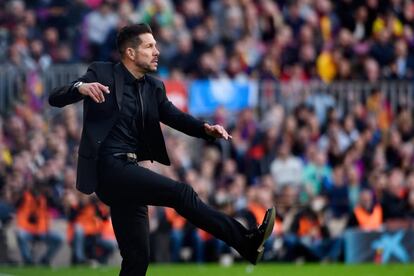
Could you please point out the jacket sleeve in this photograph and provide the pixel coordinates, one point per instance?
(67, 94)
(175, 118)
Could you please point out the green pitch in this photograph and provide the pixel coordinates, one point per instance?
(236, 270)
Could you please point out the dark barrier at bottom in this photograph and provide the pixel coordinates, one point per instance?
(379, 247)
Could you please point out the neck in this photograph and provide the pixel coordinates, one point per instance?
(136, 72)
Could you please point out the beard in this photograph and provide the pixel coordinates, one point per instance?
(145, 67)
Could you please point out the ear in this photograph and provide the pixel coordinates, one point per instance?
(130, 53)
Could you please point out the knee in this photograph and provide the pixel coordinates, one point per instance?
(55, 238)
(78, 230)
(22, 235)
(187, 192)
(187, 197)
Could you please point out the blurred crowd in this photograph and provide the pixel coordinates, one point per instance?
(324, 177)
(301, 39)
(325, 171)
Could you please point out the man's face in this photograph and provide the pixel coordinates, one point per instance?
(146, 54)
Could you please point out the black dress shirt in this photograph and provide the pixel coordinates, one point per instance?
(126, 134)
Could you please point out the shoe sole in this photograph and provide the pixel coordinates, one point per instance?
(269, 229)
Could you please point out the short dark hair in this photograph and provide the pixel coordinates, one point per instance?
(128, 36)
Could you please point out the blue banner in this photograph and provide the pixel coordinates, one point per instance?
(379, 247)
(206, 95)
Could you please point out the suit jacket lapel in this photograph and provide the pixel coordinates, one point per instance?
(119, 83)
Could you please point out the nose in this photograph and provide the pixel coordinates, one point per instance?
(156, 52)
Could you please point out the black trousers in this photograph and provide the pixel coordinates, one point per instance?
(128, 188)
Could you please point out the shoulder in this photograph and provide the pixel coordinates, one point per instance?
(101, 66)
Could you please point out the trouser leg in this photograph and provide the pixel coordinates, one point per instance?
(78, 244)
(130, 222)
(53, 241)
(24, 240)
(177, 238)
(107, 246)
(145, 187)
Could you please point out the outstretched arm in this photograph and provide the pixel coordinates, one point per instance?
(175, 118)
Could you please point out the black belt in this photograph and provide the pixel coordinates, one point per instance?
(127, 155)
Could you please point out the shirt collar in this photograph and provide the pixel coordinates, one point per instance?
(129, 78)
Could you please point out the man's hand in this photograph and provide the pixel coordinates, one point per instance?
(217, 131)
(95, 90)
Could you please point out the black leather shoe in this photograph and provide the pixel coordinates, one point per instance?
(258, 237)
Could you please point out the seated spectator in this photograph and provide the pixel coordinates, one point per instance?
(106, 242)
(309, 237)
(393, 203)
(367, 215)
(410, 208)
(177, 223)
(316, 173)
(337, 193)
(380, 107)
(6, 215)
(259, 201)
(85, 229)
(286, 168)
(33, 224)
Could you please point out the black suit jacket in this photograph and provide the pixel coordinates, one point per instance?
(98, 118)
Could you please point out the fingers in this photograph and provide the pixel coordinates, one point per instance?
(222, 132)
(103, 88)
(97, 86)
(96, 91)
(93, 95)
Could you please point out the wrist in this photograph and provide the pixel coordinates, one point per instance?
(77, 85)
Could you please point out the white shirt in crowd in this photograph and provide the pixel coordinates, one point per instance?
(287, 171)
(99, 25)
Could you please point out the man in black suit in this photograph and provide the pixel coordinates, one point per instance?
(122, 108)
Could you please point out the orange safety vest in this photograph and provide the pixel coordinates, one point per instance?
(30, 208)
(88, 220)
(177, 221)
(369, 221)
(107, 230)
(205, 236)
(306, 225)
(259, 213)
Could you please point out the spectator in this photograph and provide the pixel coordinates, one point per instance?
(286, 169)
(316, 173)
(403, 65)
(98, 25)
(367, 215)
(382, 50)
(309, 237)
(393, 204)
(159, 13)
(410, 210)
(85, 229)
(337, 193)
(33, 224)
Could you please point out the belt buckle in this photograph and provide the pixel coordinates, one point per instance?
(132, 156)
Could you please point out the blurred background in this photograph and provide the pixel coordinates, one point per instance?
(318, 96)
